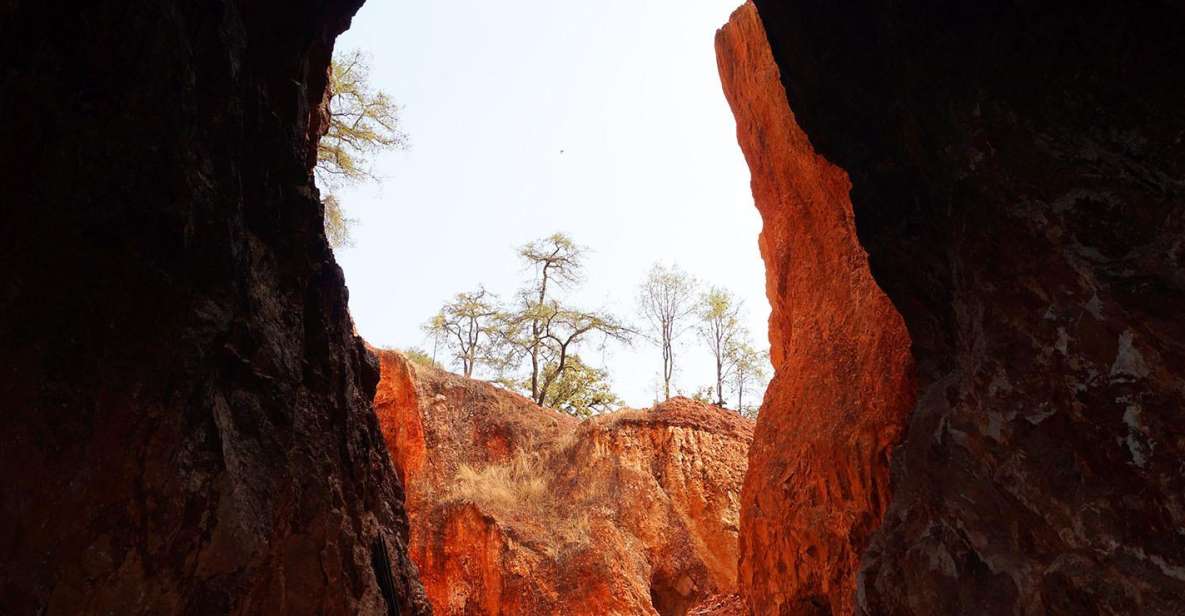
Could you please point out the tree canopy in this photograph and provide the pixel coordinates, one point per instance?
(532, 343)
(719, 327)
(362, 122)
(750, 370)
(464, 326)
(579, 389)
(537, 343)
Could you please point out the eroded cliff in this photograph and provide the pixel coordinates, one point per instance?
(1017, 174)
(186, 415)
(818, 478)
(518, 509)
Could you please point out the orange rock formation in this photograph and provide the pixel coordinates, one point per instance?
(818, 478)
(518, 509)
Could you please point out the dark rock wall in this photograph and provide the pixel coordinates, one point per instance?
(186, 423)
(1018, 172)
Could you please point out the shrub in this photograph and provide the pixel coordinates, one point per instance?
(420, 357)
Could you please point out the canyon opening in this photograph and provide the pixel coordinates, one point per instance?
(568, 384)
(971, 227)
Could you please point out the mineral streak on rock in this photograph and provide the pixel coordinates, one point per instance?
(518, 509)
(818, 478)
(186, 415)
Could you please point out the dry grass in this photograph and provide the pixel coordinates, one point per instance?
(595, 427)
(518, 485)
(518, 494)
(610, 420)
(569, 535)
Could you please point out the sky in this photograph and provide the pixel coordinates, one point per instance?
(602, 120)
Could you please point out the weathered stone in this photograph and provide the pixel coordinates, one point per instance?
(1017, 178)
(818, 476)
(634, 512)
(186, 415)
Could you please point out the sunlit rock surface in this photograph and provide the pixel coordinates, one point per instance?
(1017, 176)
(185, 415)
(818, 477)
(635, 512)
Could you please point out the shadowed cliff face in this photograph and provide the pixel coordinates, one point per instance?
(818, 476)
(1017, 177)
(186, 414)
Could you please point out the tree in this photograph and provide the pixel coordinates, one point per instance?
(548, 336)
(556, 260)
(750, 371)
(579, 389)
(337, 225)
(719, 328)
(666, 299)
(542, 330)
(562, 331)
(362, 122)
(705, 394)
(420, 357)
(465, 326)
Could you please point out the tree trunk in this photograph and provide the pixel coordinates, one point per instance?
(719, 381)
(667, 369)
(538, 390)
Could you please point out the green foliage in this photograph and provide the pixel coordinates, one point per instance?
(719, 327)
(362, 122)
(534, 344)
(705, 395)
(750, 374)
(420, 357)
(579, 390)
(543, 332)
(337, 225)
(555, 258)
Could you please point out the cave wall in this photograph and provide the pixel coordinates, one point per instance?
(818, 477)
(1017, 172)
(186, 422)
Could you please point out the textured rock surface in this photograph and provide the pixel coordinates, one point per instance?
(186, 422)
(1017, 178)
(818, 476)
(633, 513)
(434, 421)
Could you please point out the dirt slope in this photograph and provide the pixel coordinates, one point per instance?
(517, 509)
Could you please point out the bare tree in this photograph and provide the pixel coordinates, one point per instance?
(556, 260)
(463, 323)
(719, 327)
(666, 299)
(750, 372)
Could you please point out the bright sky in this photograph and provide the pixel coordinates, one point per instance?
(603, 120)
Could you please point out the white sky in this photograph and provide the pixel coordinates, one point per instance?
(491, 94)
